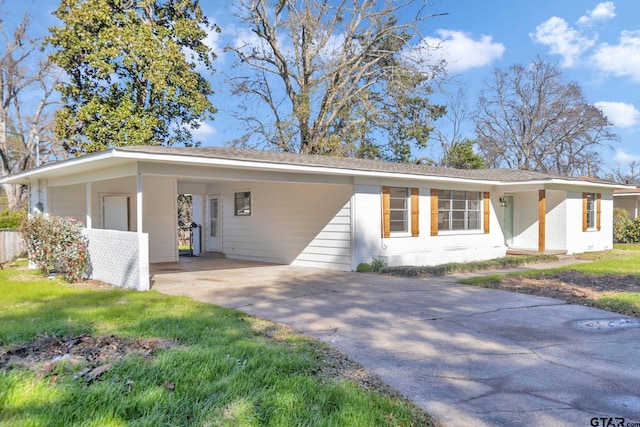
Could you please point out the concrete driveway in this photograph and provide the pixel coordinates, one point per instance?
(469, 356)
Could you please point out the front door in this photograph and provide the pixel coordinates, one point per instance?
(508, 220)
(214, 223)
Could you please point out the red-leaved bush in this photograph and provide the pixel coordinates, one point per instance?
(56, 244)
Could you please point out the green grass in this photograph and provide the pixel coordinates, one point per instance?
(230, 369)
(467, 267)
(621, 261)
(627, 246)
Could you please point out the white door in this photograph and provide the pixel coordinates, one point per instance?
(214, 223)
(116, 212)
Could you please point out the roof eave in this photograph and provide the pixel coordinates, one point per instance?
(29, 175)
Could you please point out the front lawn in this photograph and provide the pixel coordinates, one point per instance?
(611, 281)
(91, 355)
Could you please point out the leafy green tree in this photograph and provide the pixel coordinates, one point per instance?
(460, 155)
(132, 70)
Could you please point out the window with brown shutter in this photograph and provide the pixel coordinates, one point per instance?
(400, 211)
(486, 212)
(415, 212)
(598, 210)
(434, 212)
(386, 211)
(591, 211)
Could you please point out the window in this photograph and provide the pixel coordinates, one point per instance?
(398, 209)
(459, 210)
(591, 211)
(242, 203)
(400, 212)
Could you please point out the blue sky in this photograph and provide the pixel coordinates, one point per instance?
(596, 43)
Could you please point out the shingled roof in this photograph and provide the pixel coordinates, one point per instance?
(249, 155)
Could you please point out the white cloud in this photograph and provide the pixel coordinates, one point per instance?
(622, 59)
(623, 157)
(213, 41)
(601, 12)
(621, 114)
(461, 51)
(562, 40)
(203, 132)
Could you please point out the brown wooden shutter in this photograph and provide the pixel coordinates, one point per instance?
(486, 213)
(584, 212)
(415, 212)
(386, 211)
(434, 212)
(598, 207)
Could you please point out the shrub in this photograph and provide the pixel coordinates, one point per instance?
(378, 265)
(625, 230)
(364, 267)
(56, 244)
(12, 219)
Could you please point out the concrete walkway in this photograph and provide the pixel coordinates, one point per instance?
(469, 356)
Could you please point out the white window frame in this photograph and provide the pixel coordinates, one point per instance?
(591, 211)
(405, 212)
(450, 210)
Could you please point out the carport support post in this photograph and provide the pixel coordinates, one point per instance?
(143, 241)
(139, 203)
(88, 222)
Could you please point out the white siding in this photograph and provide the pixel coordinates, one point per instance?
(331, 248)
(160, 218)
(68, 200)
(305, 224)
(424, 249)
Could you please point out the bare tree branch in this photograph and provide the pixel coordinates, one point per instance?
(325, 66)
(26, 85)
(530, 118)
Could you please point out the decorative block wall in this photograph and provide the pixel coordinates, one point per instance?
(120, 258)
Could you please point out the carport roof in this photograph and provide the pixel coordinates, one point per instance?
(257, 158)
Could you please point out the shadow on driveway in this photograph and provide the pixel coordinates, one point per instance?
(467, 355)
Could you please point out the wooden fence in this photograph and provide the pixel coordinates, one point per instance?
(11, 245)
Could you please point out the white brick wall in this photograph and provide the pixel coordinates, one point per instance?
(425, 249)
(556, 220)
(592, 240)
(120, 258)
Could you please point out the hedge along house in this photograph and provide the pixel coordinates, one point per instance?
(311, 210)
